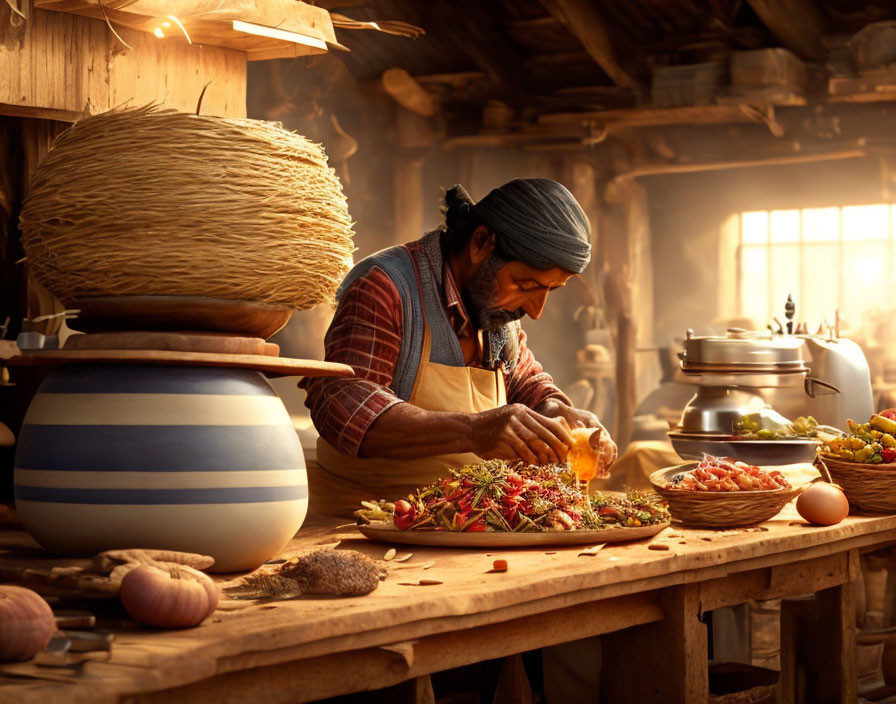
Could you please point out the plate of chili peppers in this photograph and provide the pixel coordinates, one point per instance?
(498, 503)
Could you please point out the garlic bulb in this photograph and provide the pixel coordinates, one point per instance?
(26, 623)
(179, 597)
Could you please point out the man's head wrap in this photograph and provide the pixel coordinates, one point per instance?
(539, 222)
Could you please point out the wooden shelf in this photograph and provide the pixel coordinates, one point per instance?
(264, 29)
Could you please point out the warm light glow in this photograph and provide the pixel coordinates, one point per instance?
(182, 28)
(828, 258)
(158, 32)
(282, 34)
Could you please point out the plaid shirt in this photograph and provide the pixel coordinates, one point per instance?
(366, 334)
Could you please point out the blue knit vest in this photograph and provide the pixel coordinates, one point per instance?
(417, 274)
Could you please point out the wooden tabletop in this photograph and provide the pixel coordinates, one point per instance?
(468, 598)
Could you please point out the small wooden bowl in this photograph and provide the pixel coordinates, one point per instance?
(722, 509)
(870, 487)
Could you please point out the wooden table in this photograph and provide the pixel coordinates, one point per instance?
(309, 648)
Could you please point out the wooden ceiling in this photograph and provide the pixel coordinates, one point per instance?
(573, 71)
(547, 50)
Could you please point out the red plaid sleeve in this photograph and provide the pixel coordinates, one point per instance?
(366, 335)
(529, 383)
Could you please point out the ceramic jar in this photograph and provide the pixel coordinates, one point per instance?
(202, 460)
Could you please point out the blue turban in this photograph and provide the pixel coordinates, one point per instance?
(539, 222)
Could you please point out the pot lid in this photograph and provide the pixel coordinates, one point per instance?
(743, 351)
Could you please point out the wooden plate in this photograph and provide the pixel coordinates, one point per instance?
(200, 313)
(172, 341)
(274, 366)
(387, 533)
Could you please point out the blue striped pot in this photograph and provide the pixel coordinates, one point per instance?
(202, 460)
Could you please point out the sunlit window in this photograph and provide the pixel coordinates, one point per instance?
(828, 258)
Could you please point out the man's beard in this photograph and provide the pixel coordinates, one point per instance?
(479, 294)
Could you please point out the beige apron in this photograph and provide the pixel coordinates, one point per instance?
(339, 483)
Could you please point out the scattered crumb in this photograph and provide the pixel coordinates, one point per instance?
(427, 565)
(390, 553)
(403, 558)
(708, 540)
(796, 523)
(674, 535)
(614, 558)
(593, 550)
(682, 542)
(657, 546)
(421, 583)
(551, 553)
(499, 566)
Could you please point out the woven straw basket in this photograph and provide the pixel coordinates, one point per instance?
(870, 487)
(154, 202)
(725, 509)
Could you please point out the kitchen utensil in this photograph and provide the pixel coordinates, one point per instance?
(756, 452)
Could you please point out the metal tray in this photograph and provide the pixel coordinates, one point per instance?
(763, 453)
(388, 533)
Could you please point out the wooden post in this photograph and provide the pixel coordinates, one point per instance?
(415, 135)
(818, 648)
(677, 669)
(408, 197)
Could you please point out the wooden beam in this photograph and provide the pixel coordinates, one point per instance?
(467, 24)
(584, 20)
(799, 24)
(64, 66)
(408, 93)
(642, 117)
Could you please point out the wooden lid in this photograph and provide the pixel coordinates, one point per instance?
(272, 366)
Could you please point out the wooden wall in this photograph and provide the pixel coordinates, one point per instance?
(60, 66)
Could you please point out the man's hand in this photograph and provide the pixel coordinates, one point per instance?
(517, 432)
(579, 418)
(575, 417)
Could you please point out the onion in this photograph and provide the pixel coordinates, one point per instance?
(177, 598)
(823, 504)
(26, 623)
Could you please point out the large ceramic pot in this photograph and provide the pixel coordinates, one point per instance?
(202, 460)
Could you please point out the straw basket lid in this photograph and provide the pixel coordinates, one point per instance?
(719, 509)
(149, 202)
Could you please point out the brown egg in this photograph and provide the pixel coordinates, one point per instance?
(823, 504)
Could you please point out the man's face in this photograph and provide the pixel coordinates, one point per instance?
(501, 291)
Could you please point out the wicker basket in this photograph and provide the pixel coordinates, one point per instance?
(155, 202)
(870, 487)
(727, 509)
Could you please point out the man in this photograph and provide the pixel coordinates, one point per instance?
(443, 373)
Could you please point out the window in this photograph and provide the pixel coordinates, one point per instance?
(829, 259)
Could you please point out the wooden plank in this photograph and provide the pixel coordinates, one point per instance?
(211, 24)
(63, 66)
(533, 591)
(677, 670)
(386, 666)
(584, 21)
(800, 24)
(786, 580)
(641, 117)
